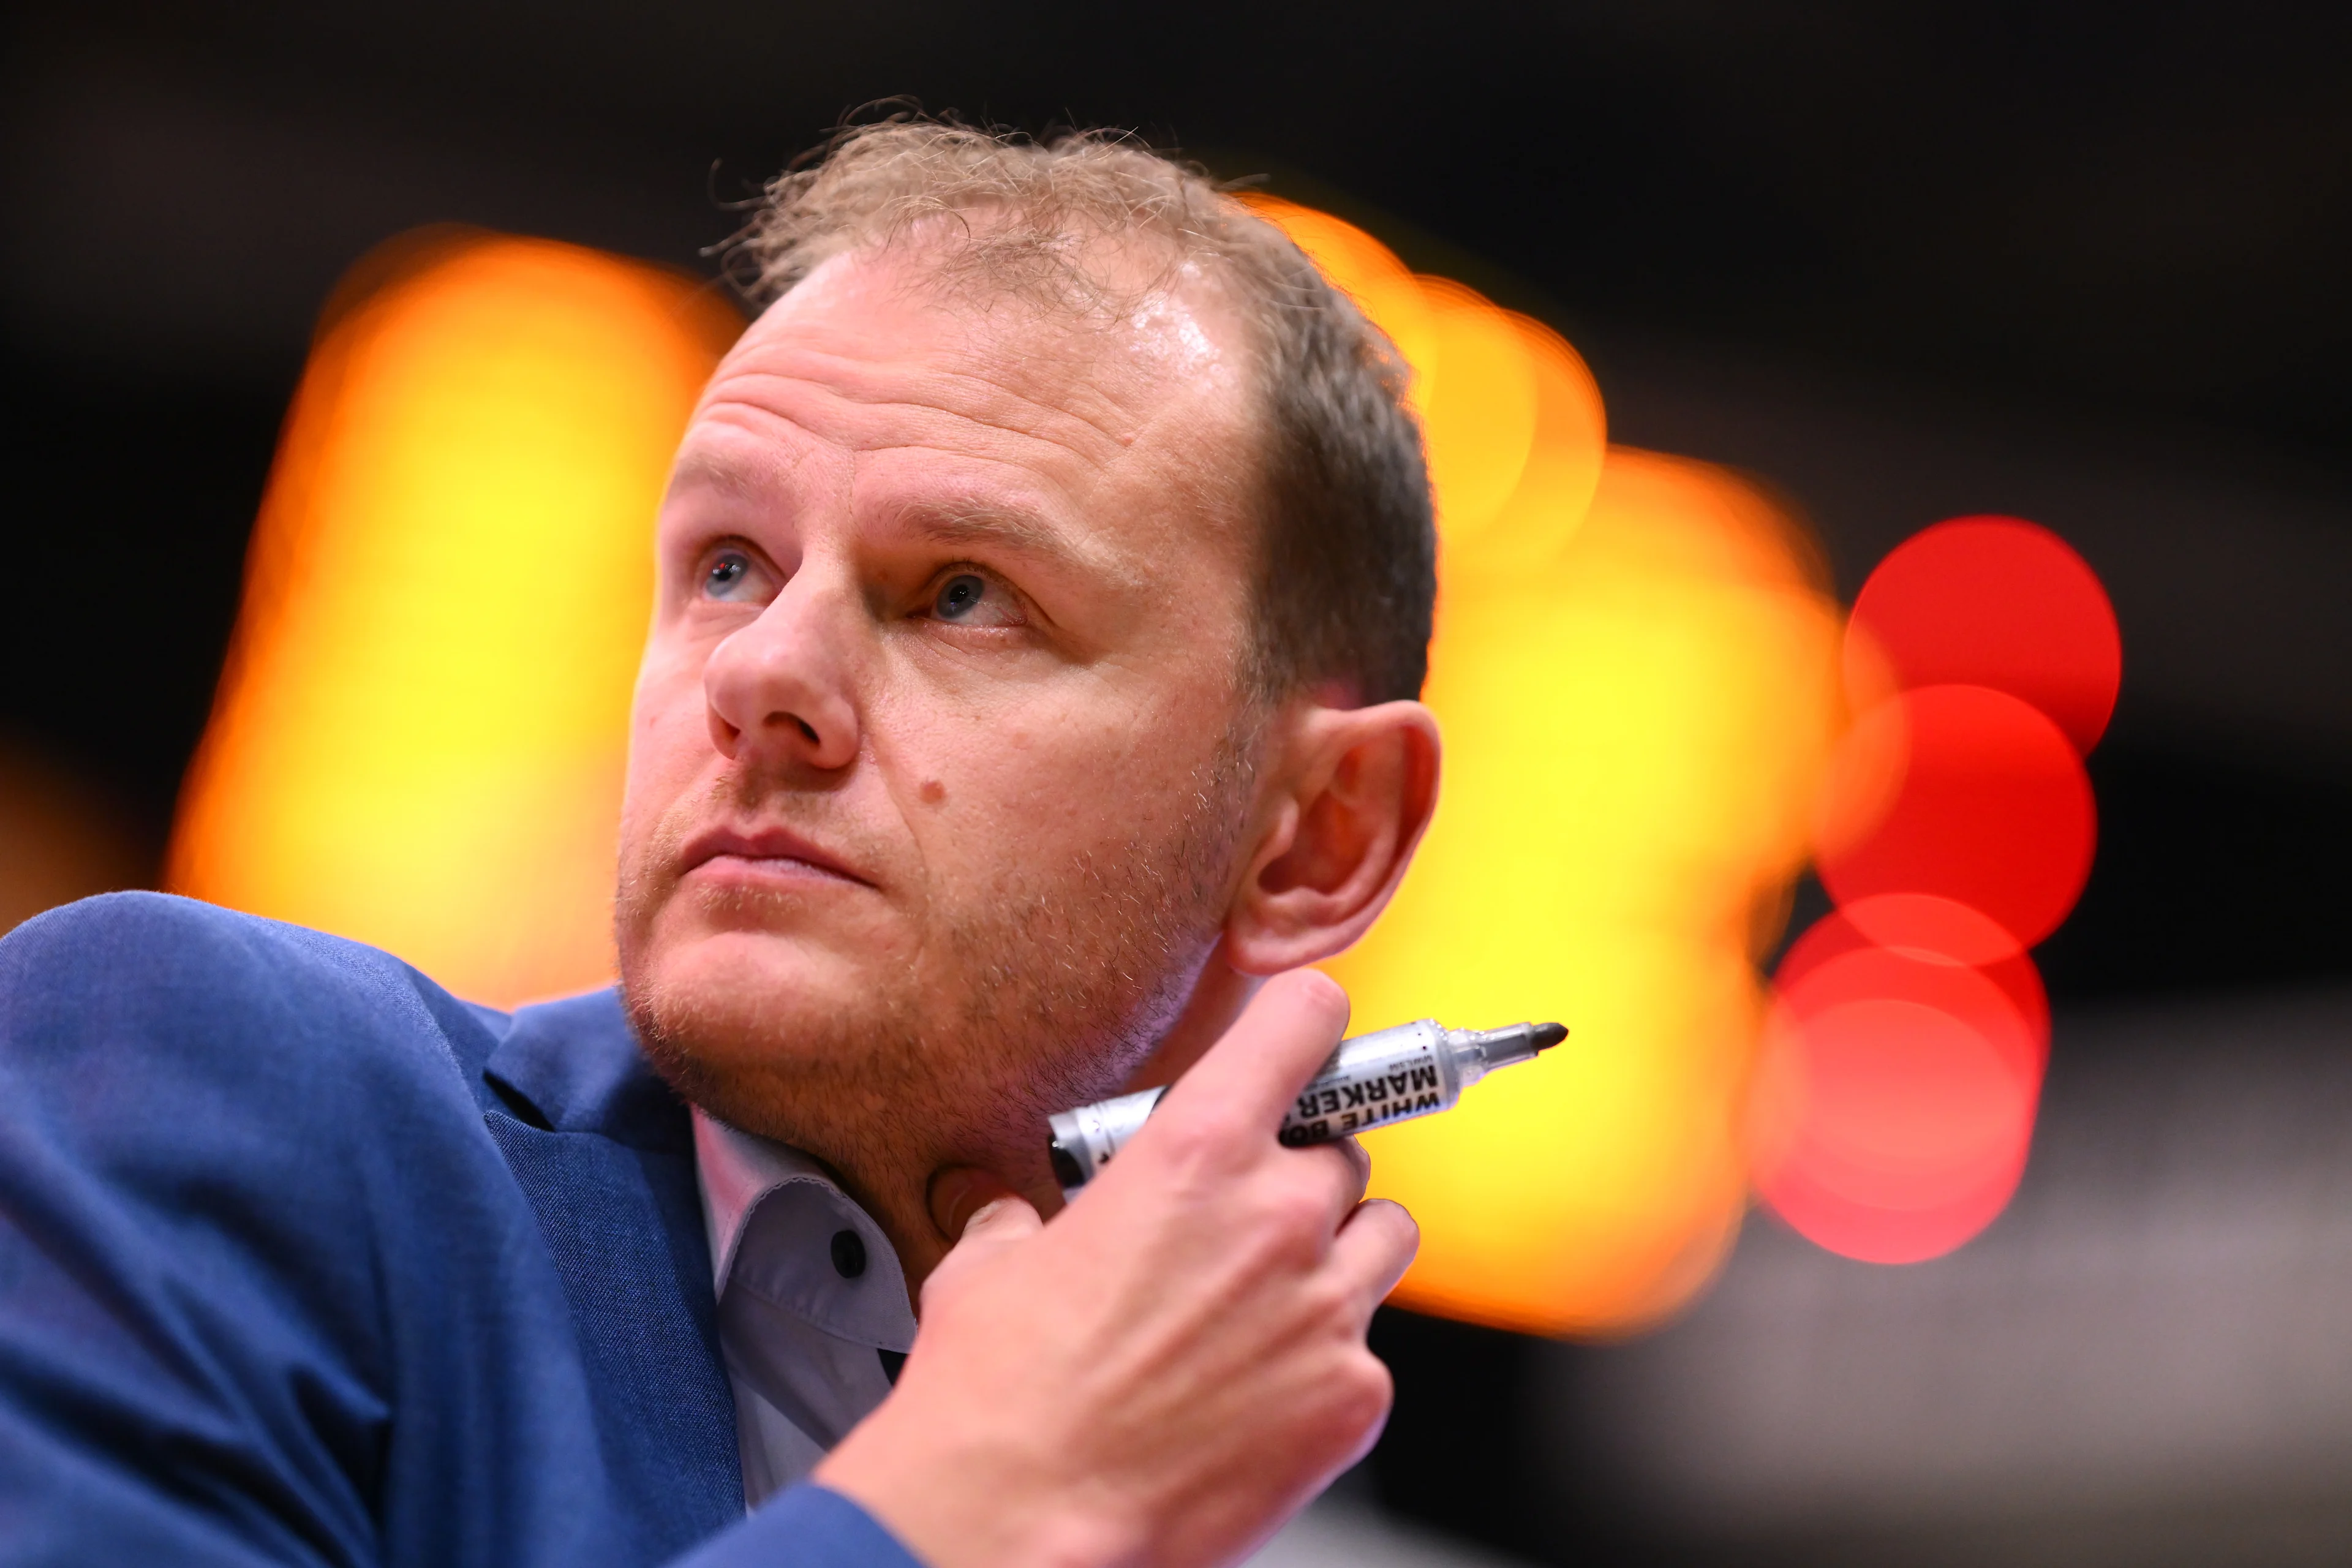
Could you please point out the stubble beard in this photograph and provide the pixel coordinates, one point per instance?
(1057, 984)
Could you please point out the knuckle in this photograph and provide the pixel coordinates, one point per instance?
(1327, 1299)
(1296, 1208)
(1189, 1142)
(1391, 1223)
(1194, 1153)
(1365, 1391)
(1355, 1172)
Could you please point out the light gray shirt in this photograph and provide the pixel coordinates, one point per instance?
(809, 1291)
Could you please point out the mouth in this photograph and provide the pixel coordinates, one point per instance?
(764, 855)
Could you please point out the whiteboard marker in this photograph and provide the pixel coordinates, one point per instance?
(1393, 1074)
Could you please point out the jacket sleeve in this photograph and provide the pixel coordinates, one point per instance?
(806, 1526)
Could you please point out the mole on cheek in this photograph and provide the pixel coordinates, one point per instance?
(933, 792)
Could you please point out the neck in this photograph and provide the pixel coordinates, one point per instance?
(923, 1211)
(1217, 1000)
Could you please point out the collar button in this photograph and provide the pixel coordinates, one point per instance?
(848, 1254)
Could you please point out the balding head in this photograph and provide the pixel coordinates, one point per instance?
(1089, 225)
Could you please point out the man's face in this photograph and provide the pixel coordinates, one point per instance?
(940, 763)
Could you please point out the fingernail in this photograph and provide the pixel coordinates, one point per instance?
(981, 1212)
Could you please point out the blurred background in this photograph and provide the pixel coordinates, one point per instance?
(1714, 308)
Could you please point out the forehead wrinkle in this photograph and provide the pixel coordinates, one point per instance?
(1109, 436)
(857, 383)
(746, 480)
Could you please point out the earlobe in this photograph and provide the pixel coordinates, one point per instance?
(1363, 786)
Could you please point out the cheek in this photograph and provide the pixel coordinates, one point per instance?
(1056, 786)
(670, 743)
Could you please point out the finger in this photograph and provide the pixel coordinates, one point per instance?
(1373, 1249)
(1285, 1034)
(1000, 1222)
(1344, 1171)
(957, 1192)
(1005, 1220)
(1359, 1164)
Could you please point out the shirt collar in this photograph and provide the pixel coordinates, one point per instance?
(771, 1214)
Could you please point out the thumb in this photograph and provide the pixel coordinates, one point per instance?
(957, 1196)
(980, 1213)
(998, 1223)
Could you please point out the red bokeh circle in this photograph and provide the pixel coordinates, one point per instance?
(1993, 812)
(2002, 603)
(1923, 923)
(1835, 935)
(1894, 1099)
(2016, 1030)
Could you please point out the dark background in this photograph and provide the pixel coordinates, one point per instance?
(2083, 264)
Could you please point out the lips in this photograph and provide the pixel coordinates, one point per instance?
(775, 851)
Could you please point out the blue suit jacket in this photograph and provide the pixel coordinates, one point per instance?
(304, 1261)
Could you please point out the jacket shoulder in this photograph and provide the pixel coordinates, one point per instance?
(151, 977)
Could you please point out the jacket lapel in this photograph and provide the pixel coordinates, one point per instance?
(605, 1153)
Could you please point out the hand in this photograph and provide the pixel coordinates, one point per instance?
(1177, 1363)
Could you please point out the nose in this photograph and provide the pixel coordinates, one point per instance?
(779, 691)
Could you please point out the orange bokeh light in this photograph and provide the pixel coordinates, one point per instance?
(1513, 423)
(419, 739)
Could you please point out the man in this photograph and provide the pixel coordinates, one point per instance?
(1044, 585)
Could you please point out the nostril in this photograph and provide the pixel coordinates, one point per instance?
(808, 731)
(724, 736)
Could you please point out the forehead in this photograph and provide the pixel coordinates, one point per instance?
(877, 353)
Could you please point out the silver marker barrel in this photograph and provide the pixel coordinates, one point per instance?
(1392, 1075)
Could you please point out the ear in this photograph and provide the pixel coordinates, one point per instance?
(1356, 791)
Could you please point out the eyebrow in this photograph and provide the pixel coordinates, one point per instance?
(1019, 531)
(952, 522)
(714, 471)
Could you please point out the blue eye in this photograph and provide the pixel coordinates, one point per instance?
(730, 570)
(959, 595)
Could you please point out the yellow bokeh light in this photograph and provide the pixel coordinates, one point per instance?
(1634, 736)
(419, 739)
(1636, 670)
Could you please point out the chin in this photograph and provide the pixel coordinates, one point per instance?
(729, 994)
(781, 1036)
